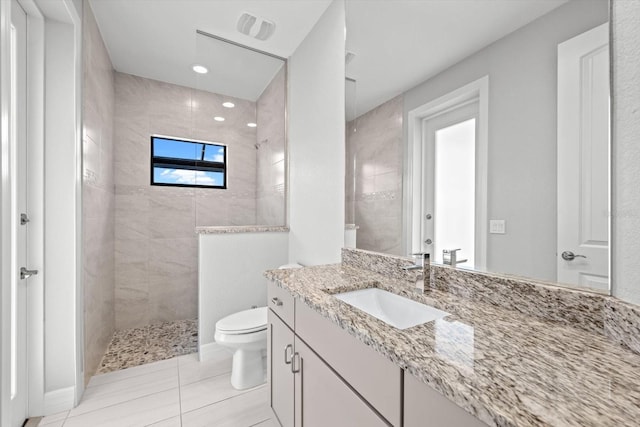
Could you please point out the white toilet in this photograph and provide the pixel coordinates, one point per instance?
(246, 333)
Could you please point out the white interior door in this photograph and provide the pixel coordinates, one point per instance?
(18, 171)
(583, 160)
(449, 184)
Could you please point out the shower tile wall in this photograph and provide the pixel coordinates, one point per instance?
(374, 177)
(98, 194)
(271, 152)
(156, 245)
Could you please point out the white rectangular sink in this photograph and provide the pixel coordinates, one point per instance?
(397, 311)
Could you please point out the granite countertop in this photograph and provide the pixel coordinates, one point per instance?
(504, 367)
(241, 229)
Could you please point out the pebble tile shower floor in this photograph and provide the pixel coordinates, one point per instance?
(151, 343)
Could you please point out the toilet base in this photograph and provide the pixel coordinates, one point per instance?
(247, 370)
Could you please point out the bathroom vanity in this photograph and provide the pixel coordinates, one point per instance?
(315, 365)
(484, 363)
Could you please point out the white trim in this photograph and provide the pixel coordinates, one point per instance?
(179, 138)
(76, 20)
(413, 175)
(59, 400)
(207, 351)
(5, 217)
(35, 203)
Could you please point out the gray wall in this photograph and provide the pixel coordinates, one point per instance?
(156, 245)
(316, 142)
(522, 69)
(270, 109)
(374, 177)
(98, 203)
(626, 150)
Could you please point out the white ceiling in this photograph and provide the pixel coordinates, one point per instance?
(398, 43)
(401, 43)
(157, 39)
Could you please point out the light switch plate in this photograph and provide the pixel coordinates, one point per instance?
(497, 226)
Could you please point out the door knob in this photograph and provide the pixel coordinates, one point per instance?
(25, 274)
(570, 256)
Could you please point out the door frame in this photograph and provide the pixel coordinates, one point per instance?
(5, 216)
(42, 400)
(457, 114)
(414, 173)
(567, 133)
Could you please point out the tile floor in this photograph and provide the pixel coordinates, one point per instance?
(151, 343)
(171, 393)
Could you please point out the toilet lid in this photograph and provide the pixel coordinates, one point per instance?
(244, 322)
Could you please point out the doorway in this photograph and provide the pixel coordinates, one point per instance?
(38, 80)
(449, 207)
(18, 214)
(445, 182)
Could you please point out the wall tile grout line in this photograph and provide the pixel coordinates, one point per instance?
(119, 403)
(179, 391)
(225, 399)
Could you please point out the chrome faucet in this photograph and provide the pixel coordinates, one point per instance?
(423, 262)
(450, 257)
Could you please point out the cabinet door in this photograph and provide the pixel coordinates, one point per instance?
(425, 407)
(323, 398)
(280, 376)
(354, 362)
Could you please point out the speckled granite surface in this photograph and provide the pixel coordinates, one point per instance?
(622, 324)
(138, 346)
(241, 229)
(505, 367)
(593, 312)
(540, 299)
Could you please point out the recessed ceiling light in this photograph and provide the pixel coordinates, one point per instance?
(218, 119)
(200, 69)
(228, 104)
(252, 125)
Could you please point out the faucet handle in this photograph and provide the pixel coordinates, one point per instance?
(424, 255)
(450, 251)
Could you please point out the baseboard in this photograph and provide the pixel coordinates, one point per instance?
(59, 400)
(209, 350)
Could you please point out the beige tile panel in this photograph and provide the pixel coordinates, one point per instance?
(132, 307)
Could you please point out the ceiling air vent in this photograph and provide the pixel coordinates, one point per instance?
(255, 27)
(245, 23)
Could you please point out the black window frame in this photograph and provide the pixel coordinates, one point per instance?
(197, 165)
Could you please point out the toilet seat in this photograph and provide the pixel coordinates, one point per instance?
(243, 322)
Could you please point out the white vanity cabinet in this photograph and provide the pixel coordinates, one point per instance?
(303, 389)
(320, 375)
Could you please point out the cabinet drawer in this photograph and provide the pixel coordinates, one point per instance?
(375, 378)
(281, 302)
